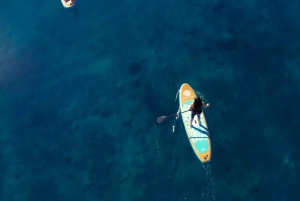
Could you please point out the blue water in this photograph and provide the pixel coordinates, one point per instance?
(80, 92)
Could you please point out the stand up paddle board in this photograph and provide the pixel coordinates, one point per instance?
(68, 4)
(197, 135)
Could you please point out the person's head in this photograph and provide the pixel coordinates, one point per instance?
(197, 99)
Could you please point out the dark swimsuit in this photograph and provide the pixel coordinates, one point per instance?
(197, 111)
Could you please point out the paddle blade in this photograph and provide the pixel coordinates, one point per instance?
(160, 119)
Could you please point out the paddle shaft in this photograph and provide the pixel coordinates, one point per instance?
(176, 114)
(162, 118)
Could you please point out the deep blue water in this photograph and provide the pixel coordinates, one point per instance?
(80, 92)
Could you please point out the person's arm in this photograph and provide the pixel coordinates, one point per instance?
(205, 105)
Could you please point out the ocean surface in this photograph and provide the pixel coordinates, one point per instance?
(80, 91)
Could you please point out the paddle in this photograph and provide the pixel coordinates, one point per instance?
(162, 118)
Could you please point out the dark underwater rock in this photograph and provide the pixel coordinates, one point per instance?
(123, 176)
(135, 68)
(219, 6)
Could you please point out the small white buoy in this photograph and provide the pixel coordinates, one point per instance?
(68, 4)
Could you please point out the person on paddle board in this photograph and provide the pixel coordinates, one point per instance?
(196, 109)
